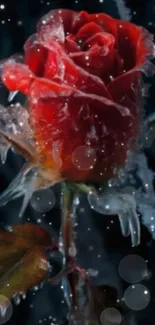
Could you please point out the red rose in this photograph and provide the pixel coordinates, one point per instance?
(82, 75)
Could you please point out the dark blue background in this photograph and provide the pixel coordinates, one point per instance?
(23, 15)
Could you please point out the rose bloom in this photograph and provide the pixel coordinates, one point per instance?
(82, 77)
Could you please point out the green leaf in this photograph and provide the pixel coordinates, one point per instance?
(23, 260)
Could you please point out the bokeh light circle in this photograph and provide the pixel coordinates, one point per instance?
(84, 158)
(6, 309)
(43, 200)
(137, 297)
(133, 268)
(110, 316)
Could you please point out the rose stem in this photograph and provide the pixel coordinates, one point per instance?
(66, 242)
(84, 189)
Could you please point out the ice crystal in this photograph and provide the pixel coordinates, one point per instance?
(14, 121)
(124, 12)
(129, 194)
(123, 205)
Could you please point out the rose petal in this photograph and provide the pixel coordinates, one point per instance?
(51, 26)
(74, 75)
(101, 39)
(70, 44)
(35, 55)
(80, 20)
(53, 126)
(128, 85)
(55, 18)
(100, 59)
(42, 62)
(126, 90)
(106, 22)
(16, 76)
(54, 68)
(131, 44)
(70, 101)
(87, 31)
(59, 113)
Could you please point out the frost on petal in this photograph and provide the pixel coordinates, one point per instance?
(20, 121)
(14, 120)
(123, 205)
(5, 125)
(51, 26)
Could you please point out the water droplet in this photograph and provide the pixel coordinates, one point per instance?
(36, 288)
(17, 299)
(72, 251)
(19, 23)
(43, 200)
(84, 158)
(92, 272)
(23, 295)
(6, 309)
(133, 268)
(91, 248)
(137, 297)
(8, 228)
(110, 316)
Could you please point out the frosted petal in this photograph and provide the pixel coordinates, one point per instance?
(14, 120)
